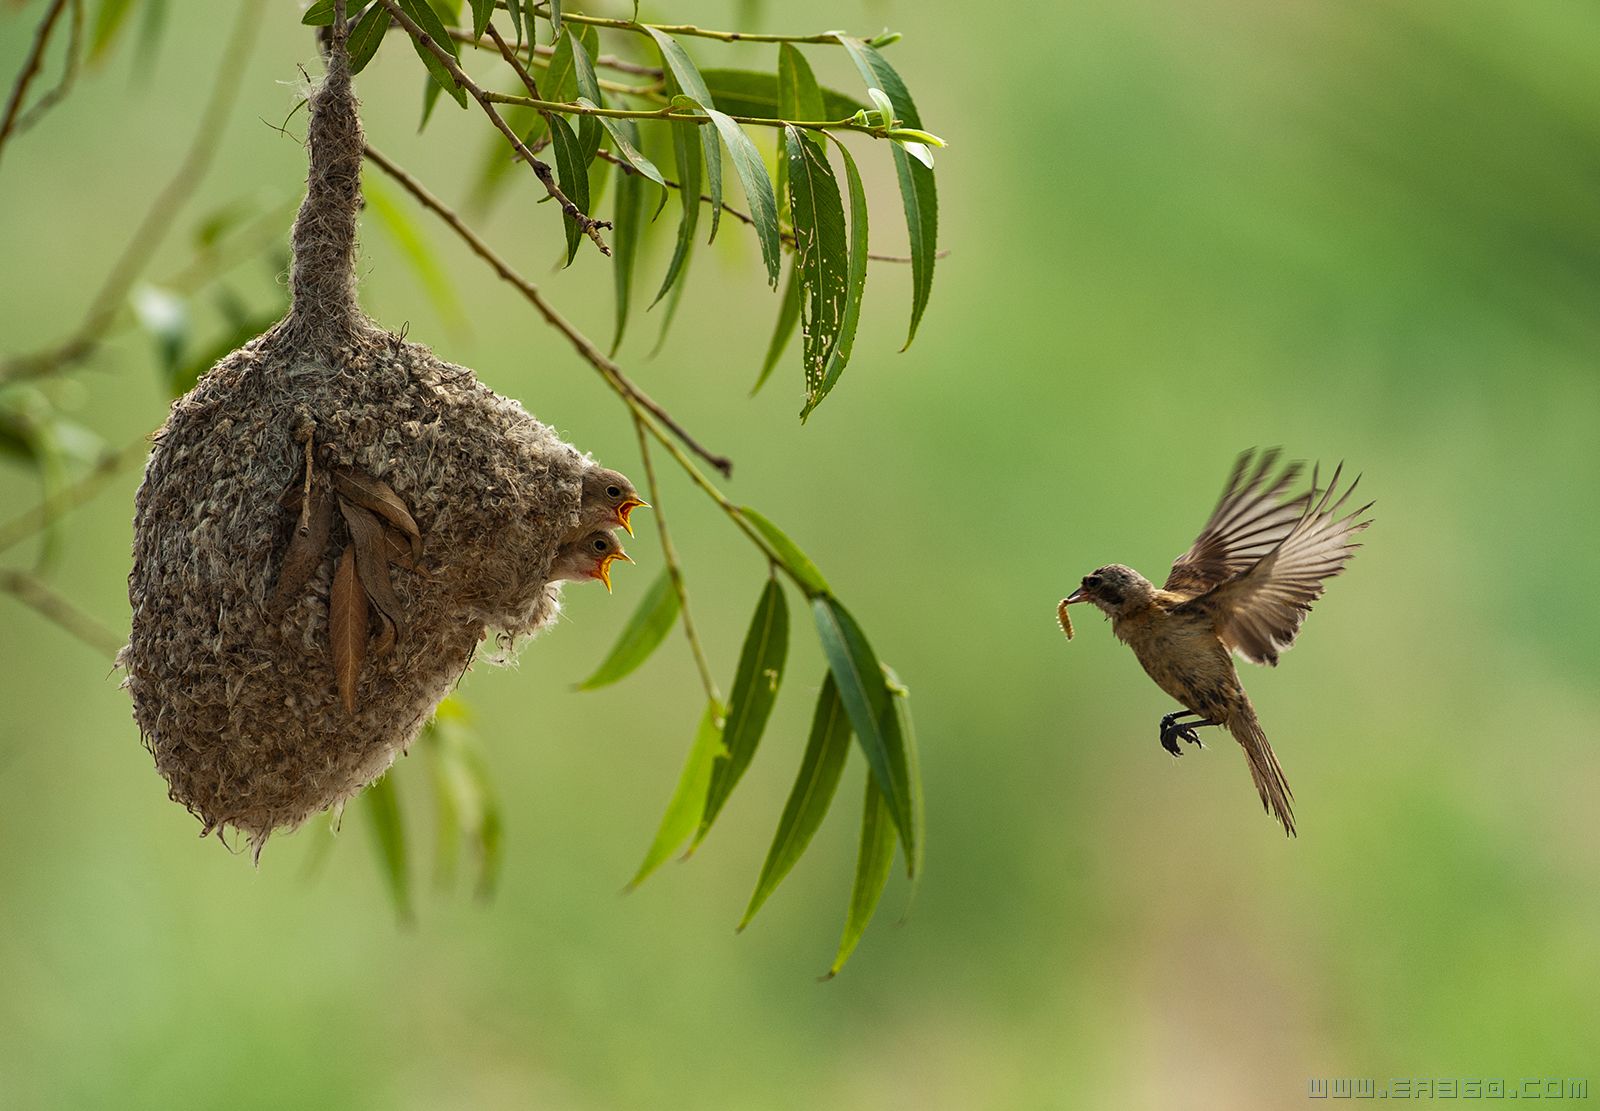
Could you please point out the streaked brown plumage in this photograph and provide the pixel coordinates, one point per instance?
(589, 558)
(1245, 586)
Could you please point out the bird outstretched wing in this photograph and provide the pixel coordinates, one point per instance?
(1250, 521)
(1258, 613)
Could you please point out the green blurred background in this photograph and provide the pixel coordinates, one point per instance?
(1364, 231)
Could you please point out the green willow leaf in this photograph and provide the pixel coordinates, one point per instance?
(874, 861)
(643, 634)
(559, 81)
(555, 16)
(800, 98)
(425, 17)
(628, 228)
(819, 258)
(788, 317)
(796, 562)
(583, 51)
(482, 12)
(757, 189)
(855, 286)
(625, 138)
(418, 254)
(688, 797)
(687, 75)
(917, 190)
(514, 9)
(866, 696)
(743, 92)
(919, 805)
(573, 173)
(755, 689)
(686, 152)
(366, 36)
(811, 795)
(319, 14)
(382, 803)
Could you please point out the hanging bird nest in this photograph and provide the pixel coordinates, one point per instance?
(329, 524)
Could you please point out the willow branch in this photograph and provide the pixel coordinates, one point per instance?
(670, 113)
(827, 39)
(588, 224)
(163, 211)
(609, 371)
(541, 55)
(675, 568)
(30, 68)
(32, 591)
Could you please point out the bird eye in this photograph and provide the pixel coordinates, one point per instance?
(1092, 581)
(600, 545)
(613, 492)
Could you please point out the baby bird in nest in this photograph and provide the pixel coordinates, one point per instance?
(1245, 586)
(589, 558)
(607, 500)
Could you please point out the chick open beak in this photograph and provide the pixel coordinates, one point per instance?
(1079, 595)
(602, 570)
(626, 508)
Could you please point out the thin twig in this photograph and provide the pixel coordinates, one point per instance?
(69, 73)
(541, 55)
(592, 354)
(675, 568)
(25, 524)
(588, 224)
(32, 591)
(159, 219)
(669, 112)
(30, 68)
(827, 39)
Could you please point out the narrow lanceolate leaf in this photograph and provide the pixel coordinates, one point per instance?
(917, 190)
(643, 634)
(366, 36)
(319, 14)
(627, 220)
(686, 152)
(573, 173)
(428, 19)
(584, 47)
(514, 9)
(874, 861)
(788, 317)
(559, 81)
(800, 97)
(414, 246)
(919, 817)
(687, 76)
(688, 798)
(347, 628)
(855, 286)
(867, 698)
(482, 10)
(555, 16)
(796, 562)
(303, 555)
(382, 804)
(757, 188)
(819, 258)
(811, 795)
(378, 496)
(755, 689)
(625, 140)
(743, 92)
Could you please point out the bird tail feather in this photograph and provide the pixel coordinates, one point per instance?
(1264, 767)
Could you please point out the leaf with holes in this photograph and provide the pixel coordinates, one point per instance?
(855, 286)
(819, 258)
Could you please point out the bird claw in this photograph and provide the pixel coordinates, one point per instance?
(1172, 732)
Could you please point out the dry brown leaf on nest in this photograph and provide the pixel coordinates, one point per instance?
(379, 497)
(347, 627)
(372, 564)
(386, 636)
(304, 553)
(398, 549)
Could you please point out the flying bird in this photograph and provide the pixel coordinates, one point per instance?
(1245, 586)
(607, 500)
(589, 558)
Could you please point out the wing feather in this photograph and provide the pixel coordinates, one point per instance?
(1258, 613)
(1250, 520)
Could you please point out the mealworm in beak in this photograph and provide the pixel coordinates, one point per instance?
(1065, 618)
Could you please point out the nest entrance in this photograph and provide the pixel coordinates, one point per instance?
(263, 686)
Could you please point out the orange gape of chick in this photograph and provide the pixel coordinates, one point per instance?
(1245, 586)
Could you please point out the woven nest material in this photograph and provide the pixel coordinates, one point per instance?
(235, 689)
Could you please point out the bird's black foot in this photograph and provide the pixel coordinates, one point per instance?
(1173, 730)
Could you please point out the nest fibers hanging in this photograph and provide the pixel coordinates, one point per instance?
(329, 523)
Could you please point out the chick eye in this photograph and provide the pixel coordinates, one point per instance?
(1092, 581)
(600, 545)
(613, 492)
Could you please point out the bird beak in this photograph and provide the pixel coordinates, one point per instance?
(1079, 595)
(603, 571)
(626, 508)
